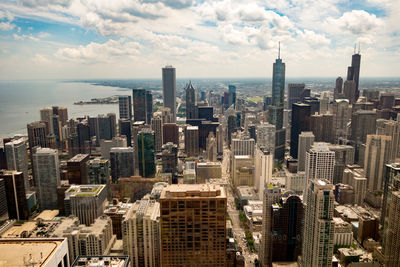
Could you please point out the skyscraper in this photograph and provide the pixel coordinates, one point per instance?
(170, 133)
(338, 88)
(353, 74)
(322, 127)
(156, 126)
(341, 117)
(169, 158)
(169, 89)
(190, 102)
(98, 171)
(300, 123)
(192, 141)
(77, 172)
(193, 225)
(125, 129)
(47, 177)
(122, 162)
(296, 93)
(125, 107)
(139, 104)
(344, 156)
(149, 106)
(265, 136)
(319, 226)
(147, 167)
(46, 116)
(306, 140)
(16, 204)
(36, 134)
(17, 158)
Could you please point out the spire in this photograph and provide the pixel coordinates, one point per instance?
(279, 50)
(359, 48)
(355, 48)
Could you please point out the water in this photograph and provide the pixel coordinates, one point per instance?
(21, 101)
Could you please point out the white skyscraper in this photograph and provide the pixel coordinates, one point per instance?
(46, 115)
(263, 165)
(306, 140)
(169, 90)
(242, 146)
(17, 158)
(47, 177)
(318, 233)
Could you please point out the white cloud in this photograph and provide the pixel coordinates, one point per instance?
(6, 26)
(313, 39)
(356, 22)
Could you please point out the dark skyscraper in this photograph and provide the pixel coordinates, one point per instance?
(125, 128)
(190, 102)
(296, 93)
(169, 89)
(232, 95)
(353, 74)
(338, 88)
(125, 107)
(15, 193)
(170, 133)
(149, 106)
(276, 109)
(300, 123)
(147, 167)
(139, 104)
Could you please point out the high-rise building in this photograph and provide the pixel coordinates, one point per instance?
(300, 123)
(122, 162)
(98, 171)
(103, 127)
(87, 202)
(231, 95)
(146, 153)
(322, 127)
(141, 233)
(296, 93)
(231, 127)
(125, 107)
(37, 134)
(320, 162)
(149, 106)
(139, 104)
(392, 128)
(263, 166)
(272, 193)
(156, 126)
(169, 158)
(46, 116)
(353, 74)
(265, 136)
(355, 176)
(341, 117)
(317, 249)
(106, 145)
(287, 225)
(17, 158)
(377, 155)
(14, 187)
(306, 140)
(169, 89)
(242, 172)
(190, 102)
(125, 129)
(344, 155)
(76, 169)
(47, 177)
(363, 123)
(391, 171)
(3, 201)
(338, 88)
(211, 149)
(193, 225)
(192, 141)
(242, 146)
(170, 133)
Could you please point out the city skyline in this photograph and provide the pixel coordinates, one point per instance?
(80, 40)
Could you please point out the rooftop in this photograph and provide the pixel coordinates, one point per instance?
(192, 128)
(103, 261)
(47, 215)
(84, 190)
(193, 191)
(78, 158)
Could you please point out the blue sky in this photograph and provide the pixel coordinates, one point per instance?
(65, 39)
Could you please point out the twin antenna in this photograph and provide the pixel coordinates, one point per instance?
(358, 48)
(279, 50)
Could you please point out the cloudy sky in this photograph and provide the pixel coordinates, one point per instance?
(64, 39)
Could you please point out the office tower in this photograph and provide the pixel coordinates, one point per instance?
(98, 171)
(190, 102)
(17, 158)
(166, 115)
(117, 211)
(377, 154)
(3, 201)
(139, 104)
(338, 88)
(317, 249)
(156, 126)
(103, 127)
(170, 133)
(169, 158)
(169, 90)
(300, 123)
(242, 172)
(106, 145)
(242, 146)
(84, 141)
(46, 116)
(193, 225)
(363, 122)
(391, 184)
(3, 159)
(125, 107)
(76, 169)
(205, 112)
(341, 117)
(141, 233)
(349, 91)
(122, 162)
(344, 156)
(353, 74)
(320, 162)
(47, 177)
(147, 166)
(232, 95)
(62, 112)
(263, 166)
(231, 127)
(271, 195)
(211, 149)
(296, 93)
(149, 106)
(322, 127)
(287, 225)
(87, 202)
(136, 128)
(36, 134)
(392, 129)
(57, 130)
(324, 102)
(93, 240)
(192, 141)
(125, 129)
(265, 136)
(354, 176)
(220, 139)
(14, 186)
(306, 140)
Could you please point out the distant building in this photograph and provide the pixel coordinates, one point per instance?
(169, 89)
(341, 117)
(242, 146)
(344, 155)
(117, 211)
(306, 140)
(77, 169)
(169, 158)
(17, 158)
(296, 93)
(242, 172)
(208, 170)
(322, 127)
(156, 126)
(139, 104)
(146, 153)
(170, 133)
(354, 176)
(190, 102)
(192, 141)
(300, 123)
(106, 145)
(14, 200)
(125, 107)
(263, 166)
(98, 171)
(125, 129)
(122, 162)
(265, 136)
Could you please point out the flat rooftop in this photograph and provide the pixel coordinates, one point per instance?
(47, 215)
(193, 191)
(103, 261)
(17, 252)
(78, 158)
(84, 190)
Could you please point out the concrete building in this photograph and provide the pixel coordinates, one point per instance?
(391, 128)
(390, 184)
(106, 145)
(47, 177)
(95, 239)
(193, 225)
(169, 90)
(341, 117)
(363, 123)
(208, 170)
(263, 166)
(242, 146)
(306, 140)
(190, 102)
(295, 182)
(377, 154)
(122, 162)
(46, 116)
(3, 201)
(77, 169)
(146, 153)
(355, 176)
(87, 202)
(156, 126)
(44, 252)
(125, 130)
(17, 158)
(14, 195)
(170, 133)
(296, 93)
(98, 171)
(141, 233)
(265, 134)
(103, 261)
(242, 172)
(322, 127)
(344, 155)
(343, 234)
(139, 104)
(319, 226)
(192, 141)
(136, 187)
(125, 107)
(117, 211)
(169, 158)
(211, 147)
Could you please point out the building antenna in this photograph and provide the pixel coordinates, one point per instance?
(279, 50)
(359, 47)
(355, 45)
